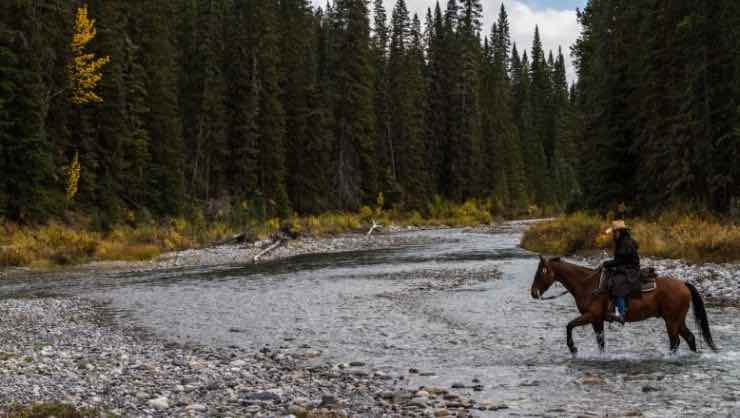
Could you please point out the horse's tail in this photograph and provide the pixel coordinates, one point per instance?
(700, 315)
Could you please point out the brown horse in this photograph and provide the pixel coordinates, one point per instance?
(670, 301)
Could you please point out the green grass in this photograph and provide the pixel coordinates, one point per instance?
(693, 237)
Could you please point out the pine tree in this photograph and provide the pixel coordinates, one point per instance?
(415, 182)
(355, 171)
(165, 173)
(380, 43)
(307, 131)
(398, 91)
(26, 151)
(271, 116)
(242, 100)
(438, 98)
(539, 141)
(113, 134)
(205, 133)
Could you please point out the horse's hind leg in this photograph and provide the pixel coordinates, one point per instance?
(599, 330)
(673, 328)
(688, 336)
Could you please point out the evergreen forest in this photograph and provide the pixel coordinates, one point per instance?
(204, 104)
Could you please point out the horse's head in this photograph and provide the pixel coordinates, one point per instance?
(543, 279)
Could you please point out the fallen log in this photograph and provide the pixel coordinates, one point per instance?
(374, 227)
(272, 247)
(236, 239)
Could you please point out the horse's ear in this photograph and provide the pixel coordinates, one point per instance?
(542, 258)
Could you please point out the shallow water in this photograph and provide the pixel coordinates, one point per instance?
(387, 308)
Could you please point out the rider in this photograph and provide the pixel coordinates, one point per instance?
(623, 272)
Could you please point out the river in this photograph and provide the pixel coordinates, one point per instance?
(455, 307)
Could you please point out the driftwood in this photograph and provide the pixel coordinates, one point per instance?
(374, 227)
(273, 246)
(236, 239)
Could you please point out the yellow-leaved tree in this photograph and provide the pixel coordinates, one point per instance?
(84, 69)
(73, 176)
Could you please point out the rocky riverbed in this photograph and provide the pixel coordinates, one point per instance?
(65, 350)
(70, 350)
(424, 323)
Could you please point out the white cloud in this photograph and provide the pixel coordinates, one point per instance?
(557, 27)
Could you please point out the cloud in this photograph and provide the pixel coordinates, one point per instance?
(557, 27)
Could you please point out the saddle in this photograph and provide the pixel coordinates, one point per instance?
(647, 279)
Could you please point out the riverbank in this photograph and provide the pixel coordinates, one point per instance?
(70, 243)
(239, 254)
(692, 238)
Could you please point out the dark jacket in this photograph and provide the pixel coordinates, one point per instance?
(625, 267)
(625, 253)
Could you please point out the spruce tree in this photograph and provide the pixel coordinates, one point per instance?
(355, 174)
(165, 173)
(271, 115)
(307, 130)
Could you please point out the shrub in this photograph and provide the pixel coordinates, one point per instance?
(694, 237)
(566, 235)
(44, 410)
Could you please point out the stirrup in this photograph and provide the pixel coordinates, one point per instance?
(615, 318)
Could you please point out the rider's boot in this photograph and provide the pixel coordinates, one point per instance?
(621, 305)
(615, 317)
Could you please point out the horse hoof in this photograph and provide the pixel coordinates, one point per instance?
(573, 350)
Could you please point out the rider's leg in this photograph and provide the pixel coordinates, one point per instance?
(621, 304)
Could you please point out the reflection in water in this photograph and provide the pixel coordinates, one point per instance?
(374, 307)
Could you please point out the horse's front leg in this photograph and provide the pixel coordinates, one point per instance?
(599, 331)
(580, 321)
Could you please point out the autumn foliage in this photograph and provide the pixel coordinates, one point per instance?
(84, 68)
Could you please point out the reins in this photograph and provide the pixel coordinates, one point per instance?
(555, 297)
(565, 292)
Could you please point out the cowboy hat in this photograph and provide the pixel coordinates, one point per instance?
(617, 225)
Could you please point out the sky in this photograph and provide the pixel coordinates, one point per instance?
(556, 19)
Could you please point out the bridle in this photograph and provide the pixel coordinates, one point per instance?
(565, 292)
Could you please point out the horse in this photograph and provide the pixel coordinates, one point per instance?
(670, 300)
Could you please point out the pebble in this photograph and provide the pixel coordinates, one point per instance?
(96, 364)
(421, 402)
(160, 403)
(441, 412)
(491, 406)
(592, 380)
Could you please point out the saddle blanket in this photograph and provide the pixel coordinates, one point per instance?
(647, 279)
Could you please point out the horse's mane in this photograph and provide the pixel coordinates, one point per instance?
(585, 270)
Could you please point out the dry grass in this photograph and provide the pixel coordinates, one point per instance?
(61, 244)
(57, 244)
(694, 237)
(565, 235)
(45, 410)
